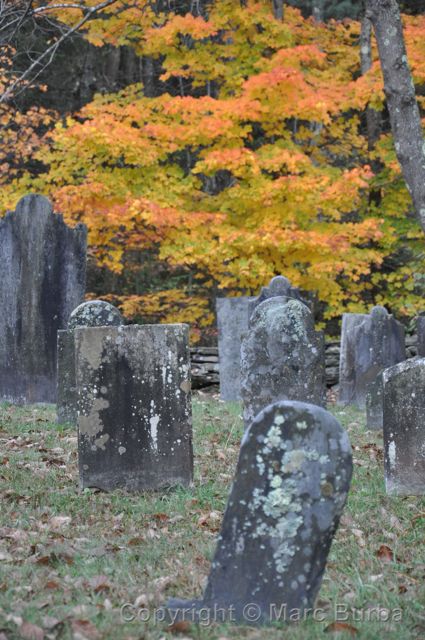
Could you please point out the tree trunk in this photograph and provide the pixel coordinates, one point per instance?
(319, 10)
(278, 9)
(401, 98)
(373, 117)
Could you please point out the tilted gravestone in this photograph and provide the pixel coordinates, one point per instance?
(95, 313)
(282, 357)
(369, 344)
(134, 406)
(404, 428)
(43, 279)
(232, 323)
(420, 326)
(291, 484)
(233, 316)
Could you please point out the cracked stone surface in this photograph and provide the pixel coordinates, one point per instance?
(289, 491)
(134, 407)
(282, 357)
(94, 313)
(404, 428)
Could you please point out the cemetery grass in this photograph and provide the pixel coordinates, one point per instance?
(70, 560)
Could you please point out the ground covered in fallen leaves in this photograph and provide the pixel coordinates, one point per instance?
(69, 561)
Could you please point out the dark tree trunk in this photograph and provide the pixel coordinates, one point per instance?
(401, 98)
(278, 9)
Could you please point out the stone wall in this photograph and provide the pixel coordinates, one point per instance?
(205, 367)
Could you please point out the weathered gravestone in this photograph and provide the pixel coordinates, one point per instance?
(404, 428)
(279, 286)
(233, 316)
(232, 323)
(374, 403)
(134, 406)
(42, 280)
(95, 313)
(420, 327)
(369, 344)
(282, 357)
(291, 484)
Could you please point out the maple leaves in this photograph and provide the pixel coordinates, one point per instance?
(264, 169)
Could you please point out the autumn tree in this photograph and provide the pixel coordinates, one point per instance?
(254, 162)
(401, 97)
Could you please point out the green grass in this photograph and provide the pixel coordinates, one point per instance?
(70, 560)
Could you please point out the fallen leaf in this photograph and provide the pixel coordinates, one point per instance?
(29, 631)
(181, 626)
(100, 583)
(57, 522)
(84, 629)
(385, 553)
(50, 623)
(341, 627)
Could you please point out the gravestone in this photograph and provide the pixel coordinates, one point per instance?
(232, 323)
(369, 344)
(134, 406)
(291, 484)
(43, 279)
(404, 428)
(233, 316)
(279, 286)
(95, 313)
(282, 357)
(420, 326)
(374, 404)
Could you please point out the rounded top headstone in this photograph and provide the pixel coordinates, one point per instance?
(379, 312)
(279, 305)
(95, 313)
(279, 285)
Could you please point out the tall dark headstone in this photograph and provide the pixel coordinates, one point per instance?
(232, 323)
(42, 281)
(94, 313)
(404, 428)
(134, 406)
(282, 357)
(369, 344)
(291, 484)
(374, 403)
(420, 327)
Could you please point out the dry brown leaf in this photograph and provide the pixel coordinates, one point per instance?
(99, 583)
(341, 627)
(29, 631)
(181, 626)
(84, 629)
(385, 553)
(57, 522)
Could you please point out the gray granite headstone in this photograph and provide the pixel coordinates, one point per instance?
(43, 278)
(94, 313)
(404, 428)
(420, 326)
(289, 491)
(369, 344)
(232, 323)
(282, 357)
(134, 406)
